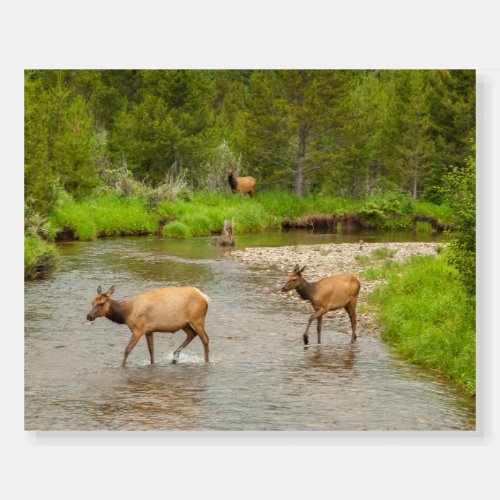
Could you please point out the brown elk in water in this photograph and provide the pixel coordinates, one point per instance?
(327, 294)
(243, 184)
(162, 310)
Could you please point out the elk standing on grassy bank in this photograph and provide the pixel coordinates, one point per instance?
(162, 310)
(243, 184)
(327, 294)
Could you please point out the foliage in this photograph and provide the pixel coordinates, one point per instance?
(58, 149)
(176, 229)
(105, 215)
(201, 213)
(123, 182)
(172, 126)
(427, 316)
(424, 227)
(349, 134)
(442, 212)
(459, 190)
(39, 256)
(388, 210)
(290, 124)
(317, 141)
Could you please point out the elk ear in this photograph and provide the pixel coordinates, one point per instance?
(110, 291)
(99, 289)
(301, 269)
(296, 268)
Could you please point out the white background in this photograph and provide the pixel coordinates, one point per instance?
(232, 34)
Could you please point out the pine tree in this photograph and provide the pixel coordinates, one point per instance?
(58, 132)
(414, 149)
(290, 126)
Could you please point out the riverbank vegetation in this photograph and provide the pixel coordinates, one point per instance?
(427, 315)
(203, 213)
(39, 257)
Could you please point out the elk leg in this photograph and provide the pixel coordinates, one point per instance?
(149, 338)
(131, 344)
(351, 310)
(314, 316)
(190, 335)
(320, 322)
(202, 333)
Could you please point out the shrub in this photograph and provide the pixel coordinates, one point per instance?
(459, 190)
(387, 210)
(122, 182)
(39, 256)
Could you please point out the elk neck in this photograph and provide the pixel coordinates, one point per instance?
(232, 181)
(118, 312)
(306, 289)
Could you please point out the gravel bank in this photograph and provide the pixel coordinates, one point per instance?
(326, 260)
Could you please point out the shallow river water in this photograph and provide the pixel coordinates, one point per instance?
(260, 377)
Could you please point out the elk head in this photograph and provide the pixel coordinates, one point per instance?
(101, 304)
(294, 280)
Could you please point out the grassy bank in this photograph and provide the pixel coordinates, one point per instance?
(427, 316)
(203, 213)
(39, 257)
(102, 215)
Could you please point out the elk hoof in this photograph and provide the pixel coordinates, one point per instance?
(175, 360)
(306, 340)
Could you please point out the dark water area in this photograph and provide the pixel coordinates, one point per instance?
(260, 377)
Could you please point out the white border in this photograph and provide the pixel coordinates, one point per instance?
(383, 34)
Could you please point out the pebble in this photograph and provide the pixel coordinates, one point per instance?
(328, 259)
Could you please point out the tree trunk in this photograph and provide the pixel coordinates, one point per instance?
(299, 173)
(227, 239)
(415, 178)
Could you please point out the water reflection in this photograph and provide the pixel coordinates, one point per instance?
(340, 361)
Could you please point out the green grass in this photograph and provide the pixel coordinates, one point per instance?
(105, 215)
(268, 209)
(39, 256)
(176, 229)
(203, 213)
(427, 316)
(383, 271)
(424, 227)
(383, 253)
(362, 259)
(442, 213)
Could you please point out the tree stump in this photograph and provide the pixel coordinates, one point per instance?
(227, 239)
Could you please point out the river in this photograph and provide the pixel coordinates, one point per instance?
(260, 377)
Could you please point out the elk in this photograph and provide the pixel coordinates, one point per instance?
(243, 184)
(162, 310)
(327, 294)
